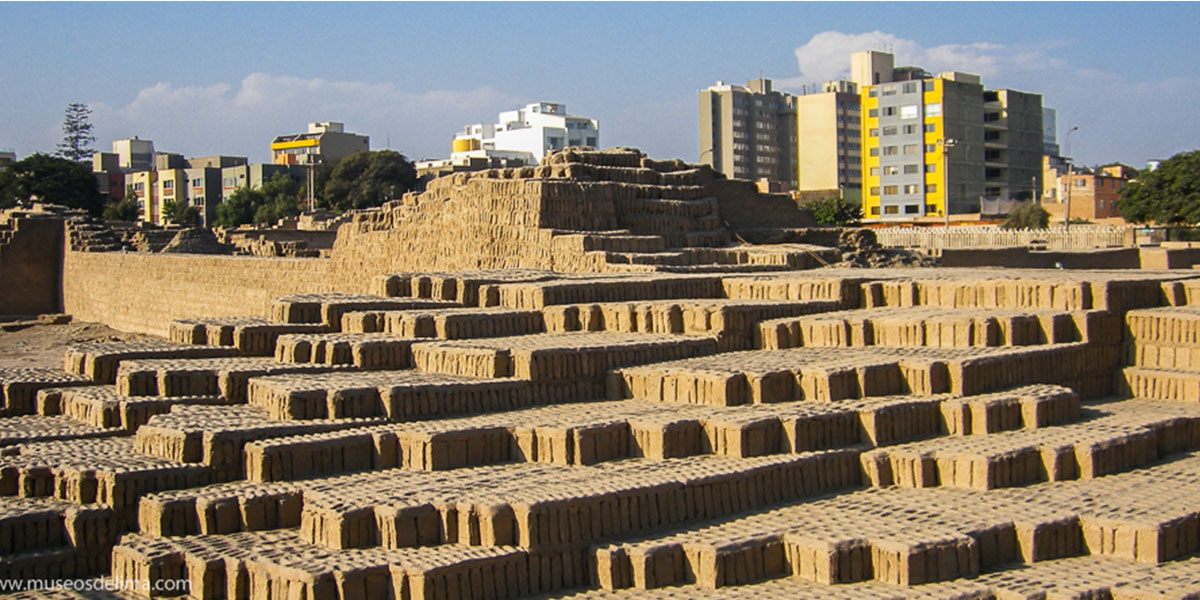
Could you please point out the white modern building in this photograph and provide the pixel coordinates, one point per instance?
(534, 130)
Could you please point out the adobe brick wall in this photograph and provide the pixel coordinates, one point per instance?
(29, 266)
(145, 292)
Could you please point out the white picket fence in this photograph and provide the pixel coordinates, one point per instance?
(1080, 237)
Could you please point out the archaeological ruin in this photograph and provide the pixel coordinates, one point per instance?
(603, 377)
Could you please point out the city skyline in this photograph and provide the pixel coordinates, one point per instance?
(227, 78)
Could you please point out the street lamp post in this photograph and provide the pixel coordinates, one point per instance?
(1070, 179)
(946, 145)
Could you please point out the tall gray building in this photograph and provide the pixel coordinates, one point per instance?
(749, 132)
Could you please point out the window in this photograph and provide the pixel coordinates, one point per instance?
(889, 150)
(891, 190)
(873, 132)
(197, 183)
(889, 90)
(1081, 182)
(930, 128)
(874, 152)
(929, 86)
(889, 131)
(910, 87)
(891, 210)
(591, 142)
(910, 129)
(912, 209)
(910, 169)
(931, 147)
(875, 191)
(198, 201)
(931, 188)
(930, 208)
(889, 111)
(873, 92)
(912, 149)
(169, 184)
(933, 109)
(912, 188)
(874, 211)
(931, 168)
(872, 113)
(875, 171)
(891, 170)
(908, 112)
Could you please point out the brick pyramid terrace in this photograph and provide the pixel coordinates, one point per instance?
(669, 417)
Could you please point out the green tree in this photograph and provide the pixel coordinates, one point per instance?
(51, 179)
(180, 213)
(124, 210)
(278, 198)
(1169, 194)
(1028, 216)
(77, 139)
(367, 179)
(282, 195)
(239, 207)
(835, 212)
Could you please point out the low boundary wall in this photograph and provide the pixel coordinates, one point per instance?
(1079, 237)
(145, 292)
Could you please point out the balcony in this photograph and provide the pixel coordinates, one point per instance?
(995, 159)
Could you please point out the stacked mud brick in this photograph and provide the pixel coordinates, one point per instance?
(578, 211)
(524, 433)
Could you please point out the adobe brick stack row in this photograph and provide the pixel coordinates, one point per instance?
(494, 468)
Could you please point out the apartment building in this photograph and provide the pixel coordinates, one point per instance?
(144, 186)
(1093, 192)
(324, 142)
(133, 154)
(829, 141)
(525, 135)
(254, 176)
(749, 132)
(938, 145)
(171, 178)
(8, 156)
(203, 190)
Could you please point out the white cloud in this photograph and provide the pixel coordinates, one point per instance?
(224, 119)
(827, 55)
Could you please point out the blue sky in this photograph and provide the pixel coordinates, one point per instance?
(224, 78)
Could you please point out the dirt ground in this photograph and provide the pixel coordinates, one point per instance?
(42, 345)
